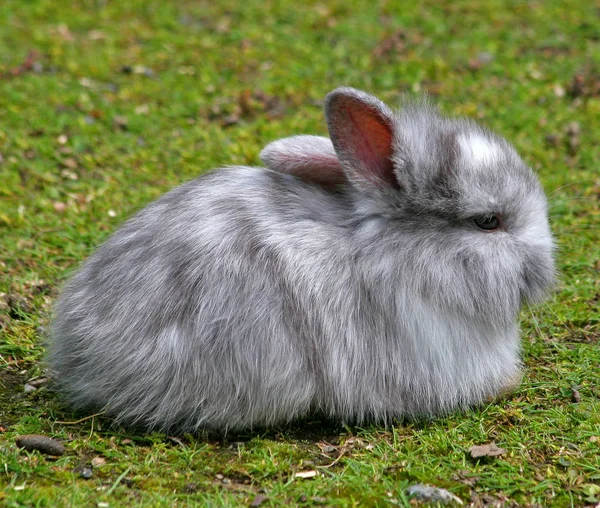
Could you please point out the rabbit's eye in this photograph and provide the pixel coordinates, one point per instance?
(487, 222)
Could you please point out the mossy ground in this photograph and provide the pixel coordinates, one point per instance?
(105, 105)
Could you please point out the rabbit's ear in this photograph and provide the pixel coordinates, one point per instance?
(362, 131)
(310, 158)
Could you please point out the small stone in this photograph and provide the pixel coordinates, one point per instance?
(86, 472)
(59, 206)
(553, 140)
(485, 58)
(98, 462)
(29, 388)
(143, 70)
(87, 82)
(219, 476)
(142, 109)
(429, 493)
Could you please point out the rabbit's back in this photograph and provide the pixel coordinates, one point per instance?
(188, 315)
(249, 298)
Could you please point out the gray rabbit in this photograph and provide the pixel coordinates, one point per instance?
(373, 276)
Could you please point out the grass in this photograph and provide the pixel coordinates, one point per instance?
(105, 105)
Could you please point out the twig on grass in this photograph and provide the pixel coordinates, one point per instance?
(82, 420)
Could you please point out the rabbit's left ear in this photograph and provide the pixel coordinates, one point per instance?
(310, 158)
(362, 131)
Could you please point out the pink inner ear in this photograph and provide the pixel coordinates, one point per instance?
(372, 145)
(324, 170)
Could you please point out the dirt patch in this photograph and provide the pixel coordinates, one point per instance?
(586, 335)
(11, 395)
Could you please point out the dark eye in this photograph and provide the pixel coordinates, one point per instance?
(487, 222)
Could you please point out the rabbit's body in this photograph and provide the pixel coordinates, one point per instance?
(250, 297)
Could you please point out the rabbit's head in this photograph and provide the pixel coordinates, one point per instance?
(478, 215)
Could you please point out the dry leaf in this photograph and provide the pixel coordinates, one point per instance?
(486, 450)
(326, 448)
(71, 175)
(39, 381)
(142, 109)
(65, 33)
(70, 163)
(305, 474)
(96, 35)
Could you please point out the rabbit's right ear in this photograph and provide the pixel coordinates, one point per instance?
(310, 158)
(362, 131)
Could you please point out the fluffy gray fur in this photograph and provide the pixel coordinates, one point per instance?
(253, 296)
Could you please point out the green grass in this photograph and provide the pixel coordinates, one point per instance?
(128, 99)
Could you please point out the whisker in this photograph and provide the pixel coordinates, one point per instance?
(579, 182)
(564, 323)
(536, 324)
(571, 199)
(570, 226)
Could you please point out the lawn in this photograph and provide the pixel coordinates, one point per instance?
(105, 105)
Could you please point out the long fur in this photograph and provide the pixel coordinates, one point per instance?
(249, 297)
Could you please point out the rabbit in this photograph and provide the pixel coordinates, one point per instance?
(374, 276)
